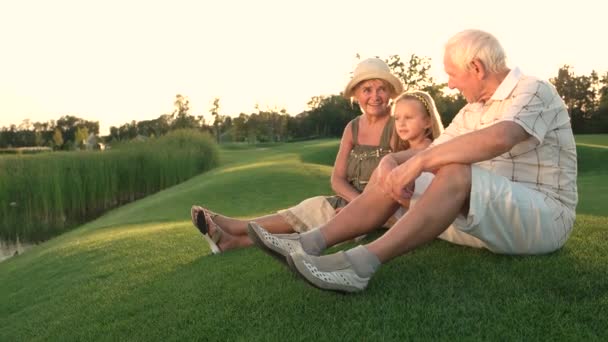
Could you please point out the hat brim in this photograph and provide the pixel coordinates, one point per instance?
(385, 76)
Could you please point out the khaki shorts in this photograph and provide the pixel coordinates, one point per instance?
(316, 211)
(506, 217)
(310, 213)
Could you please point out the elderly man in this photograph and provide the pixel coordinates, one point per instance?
(502, 176)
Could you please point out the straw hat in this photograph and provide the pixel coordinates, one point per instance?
(373, 68)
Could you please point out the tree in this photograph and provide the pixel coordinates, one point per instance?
(330, 114)
(603, 93)
(80, 138)
(600, 117)
(239, 125)
(415, 74)
(181, 114)
(58, 138)
(579, 93)
(69, 124)
(114, 133)
(215, 113)
(39, 129)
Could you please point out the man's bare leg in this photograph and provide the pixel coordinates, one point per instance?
(351, 270)
(365, 213)
(438, 207)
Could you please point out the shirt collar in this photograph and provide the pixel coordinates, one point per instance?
(507, 85)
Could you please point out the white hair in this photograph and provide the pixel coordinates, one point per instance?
(468, 45)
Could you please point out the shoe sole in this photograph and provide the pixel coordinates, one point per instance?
(316, 283)
(260, 243)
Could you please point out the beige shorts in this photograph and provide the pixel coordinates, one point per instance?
(314, 212)
(308, 214)
(506, 217)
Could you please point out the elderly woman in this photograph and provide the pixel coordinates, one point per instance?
(366, 139)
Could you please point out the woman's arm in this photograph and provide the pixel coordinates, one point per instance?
(339, 182)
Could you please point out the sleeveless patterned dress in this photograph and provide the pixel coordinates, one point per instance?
(361, 163)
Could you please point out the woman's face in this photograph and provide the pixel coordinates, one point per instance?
(411, 119)
(373, 96)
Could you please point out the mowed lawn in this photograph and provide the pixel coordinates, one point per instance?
(142, 272)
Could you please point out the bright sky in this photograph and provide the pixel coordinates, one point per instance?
(115, 61)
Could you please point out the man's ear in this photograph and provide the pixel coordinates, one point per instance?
(478, 69)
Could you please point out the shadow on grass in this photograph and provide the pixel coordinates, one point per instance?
(439, 291)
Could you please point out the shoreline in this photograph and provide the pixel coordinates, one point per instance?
(11, 249)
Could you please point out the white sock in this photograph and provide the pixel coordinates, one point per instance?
(365, 263)
(313, 242)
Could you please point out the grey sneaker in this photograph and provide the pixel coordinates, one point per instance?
(277, 245)
(328, 272)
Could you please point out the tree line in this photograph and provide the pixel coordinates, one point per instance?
(586, 97)
(67, 133)
(326, 116)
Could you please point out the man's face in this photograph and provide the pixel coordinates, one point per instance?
(466, 81)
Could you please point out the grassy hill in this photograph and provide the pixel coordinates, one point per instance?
(142, 272)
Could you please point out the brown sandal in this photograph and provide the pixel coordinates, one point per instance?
(203, 219)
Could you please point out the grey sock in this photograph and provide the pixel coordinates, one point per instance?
(365, 263)
(313, 242)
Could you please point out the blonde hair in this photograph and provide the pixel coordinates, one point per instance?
(428, 104)
(468, 45)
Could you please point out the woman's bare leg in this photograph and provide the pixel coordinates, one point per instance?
(235, 230)
(273, 223)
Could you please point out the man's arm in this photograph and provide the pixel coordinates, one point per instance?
(469, 148)
(391, 161)
(474, 147)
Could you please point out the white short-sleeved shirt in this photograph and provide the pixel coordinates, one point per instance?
(546, 162)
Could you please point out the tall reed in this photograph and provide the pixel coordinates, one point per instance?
(46, 194)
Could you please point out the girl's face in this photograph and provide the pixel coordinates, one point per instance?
(373, 96)
(411, 119)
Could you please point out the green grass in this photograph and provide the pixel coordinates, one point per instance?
(594, 140)
(142, 272)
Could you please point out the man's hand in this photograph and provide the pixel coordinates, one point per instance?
(400, 182)
(385, 167)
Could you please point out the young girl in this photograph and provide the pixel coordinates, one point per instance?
(417, 124)
(417, 121)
